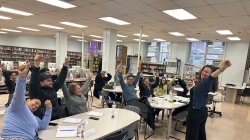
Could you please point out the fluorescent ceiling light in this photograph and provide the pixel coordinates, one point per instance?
(76, 36)
(143, 35)
(81, 40)
(14, 11)
(119, 40)
(192, 39)
(5, 18)
(224, 32)
(10, 30)
(96, 36)
(159, 39)
(73, 24)
(3, 32)
(114, 21)
(97, 40)
(139, 40)
(176, 33)
(30, 29)
(58, 3)
(180, 14)
(50, 26)
(233, 38)
(121, 35)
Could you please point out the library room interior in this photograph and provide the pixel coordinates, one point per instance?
(125, 69)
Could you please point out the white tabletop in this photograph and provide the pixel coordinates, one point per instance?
(104, 126)
(162, 103)
(117, 89)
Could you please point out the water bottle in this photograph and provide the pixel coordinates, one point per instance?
(171, 97)
(8, 67)
(113, 110)
(82, 126)
(71, 77)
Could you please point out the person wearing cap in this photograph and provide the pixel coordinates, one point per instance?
(42, 87)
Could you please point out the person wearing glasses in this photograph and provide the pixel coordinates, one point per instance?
(19, 121)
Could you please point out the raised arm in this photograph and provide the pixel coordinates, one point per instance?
(156, 83)
(18, 100)
(224, 64)
(34, 85)
(85, 86)
(65, 91)
(137, 77)
(43, 124)
(62, 76)
(108, 78)
(120, 77)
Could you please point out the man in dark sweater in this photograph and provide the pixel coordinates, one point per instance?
(146, 88)
(42, 87)
(10, 82)
(100, 81)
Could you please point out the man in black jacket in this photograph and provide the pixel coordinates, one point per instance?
(10, 82)
(100, 81)
(42, 87)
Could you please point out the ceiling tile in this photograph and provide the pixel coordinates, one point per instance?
(203, 12)
(230, 9)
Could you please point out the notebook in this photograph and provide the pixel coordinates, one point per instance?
(66, 131)
(72, 120)
(95, 114)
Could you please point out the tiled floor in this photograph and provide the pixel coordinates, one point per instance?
(233, 125)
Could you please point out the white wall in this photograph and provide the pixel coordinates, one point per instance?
(236, 52)
(181, 51)
(42, 42)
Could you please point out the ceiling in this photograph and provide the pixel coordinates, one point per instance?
(212, 15)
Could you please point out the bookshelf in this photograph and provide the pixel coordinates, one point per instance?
(16, 54)
(75, 58)
(94, 66)
(188, 72)
(146, 67)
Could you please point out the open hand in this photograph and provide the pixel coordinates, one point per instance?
(66, 61)
(37, 60)
(119, 68)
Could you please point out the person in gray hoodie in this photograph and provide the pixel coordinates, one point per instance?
(74, 97)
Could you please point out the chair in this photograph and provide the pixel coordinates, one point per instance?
(213, 101)
(143, 113)
(133, 128)
(244, 94)
(121, 135)
(180, 117)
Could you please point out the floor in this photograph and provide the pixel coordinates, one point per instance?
(233, 125)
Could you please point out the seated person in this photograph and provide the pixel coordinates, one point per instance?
(146, 88)
(100, 81)
(43, 88)
(162, 89)
(19, 120)
(10, 82)
(76, 102)
(130, 96)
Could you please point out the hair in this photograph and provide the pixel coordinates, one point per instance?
(131, 75)
(44, 70)
(14, 72)
(190, 80)
(45, 77)
(213, 69)
(72, 87)
(161, 85)
(144, 78)
(34, 99)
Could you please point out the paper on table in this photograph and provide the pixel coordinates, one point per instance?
(96, 114)
(72, 120)
(89, 132)
(66, 131)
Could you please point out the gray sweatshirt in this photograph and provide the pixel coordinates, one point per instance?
(76, 104)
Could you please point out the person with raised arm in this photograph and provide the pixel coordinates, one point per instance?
(19, 120)
(197, 112)
(43, 88)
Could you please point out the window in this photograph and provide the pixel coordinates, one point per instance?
(197, 54)
(212, 52)
(158, 51)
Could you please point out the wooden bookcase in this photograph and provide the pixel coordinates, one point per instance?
(75, 58)
(16, 54)
(94, 66)
(146, 67)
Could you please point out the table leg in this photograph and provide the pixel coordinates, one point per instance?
(169, 124)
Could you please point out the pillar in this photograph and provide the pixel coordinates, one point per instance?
(61, 47)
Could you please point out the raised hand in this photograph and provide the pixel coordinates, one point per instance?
(23, 70)
(48, 104)
(224, 64)
(37, 60)
(119, 68)
(157, 74)
(2, 67)
(66, 62)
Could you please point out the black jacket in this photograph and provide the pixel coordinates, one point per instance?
(100, 82)
(146, 91)
(184, 86)
(46, 93)
(10, 84)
